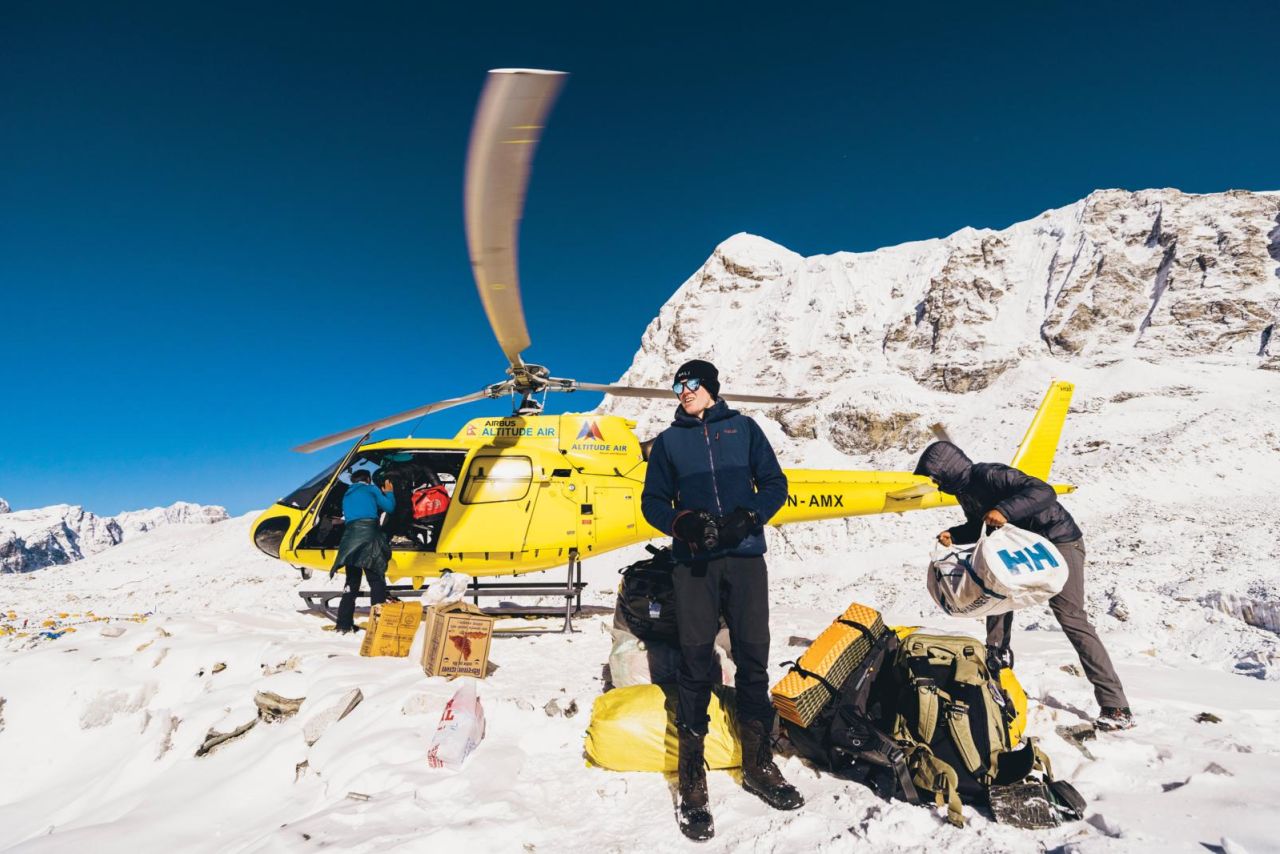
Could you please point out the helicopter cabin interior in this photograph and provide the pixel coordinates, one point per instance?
(423, 482)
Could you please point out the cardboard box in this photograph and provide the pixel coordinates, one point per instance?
(391, 629)
(457, 641)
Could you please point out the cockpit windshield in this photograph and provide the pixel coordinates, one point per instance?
(305, 494)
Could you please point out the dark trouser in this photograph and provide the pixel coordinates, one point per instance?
(1068, 607)
(738, 588)
(377, 593)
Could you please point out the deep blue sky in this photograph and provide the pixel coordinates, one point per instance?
(227, 228)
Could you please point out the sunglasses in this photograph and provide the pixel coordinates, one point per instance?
(692, 384)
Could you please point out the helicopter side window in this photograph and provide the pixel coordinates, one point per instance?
(493, 479)
(305, 494)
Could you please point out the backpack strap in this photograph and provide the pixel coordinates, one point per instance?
(927, 701)
(962, 736)
(854, 624)
(930, 772)
(795, 666)
(1042, 761)
(968, 670)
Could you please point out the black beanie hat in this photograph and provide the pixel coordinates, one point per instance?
(704, 372)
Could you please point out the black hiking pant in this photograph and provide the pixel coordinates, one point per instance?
(1068, 607)
(738, 589)
(377, 594)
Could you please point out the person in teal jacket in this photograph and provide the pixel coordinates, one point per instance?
(364, 550)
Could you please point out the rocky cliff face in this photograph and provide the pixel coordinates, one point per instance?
(134, 522)
(1154, 274)
(63, 533)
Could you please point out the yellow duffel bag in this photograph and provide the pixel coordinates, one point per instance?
(1018, 697)
(634, 729)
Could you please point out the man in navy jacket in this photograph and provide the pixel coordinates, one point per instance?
(712, 482)
(995, 494)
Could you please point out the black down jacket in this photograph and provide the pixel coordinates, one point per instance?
(1025, 501)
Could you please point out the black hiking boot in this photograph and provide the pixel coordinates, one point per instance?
(1115, 718)
(760, 776)
(693, 815)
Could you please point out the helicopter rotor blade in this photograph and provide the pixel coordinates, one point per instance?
(635, 391)
(507, 128)
(420, 411)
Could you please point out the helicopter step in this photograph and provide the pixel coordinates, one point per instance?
(322, 601)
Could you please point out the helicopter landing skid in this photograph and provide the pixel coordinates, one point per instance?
(322, 601)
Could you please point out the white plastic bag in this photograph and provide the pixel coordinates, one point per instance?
(636, 662)
(1007, 570)
(460, 730)
(448, 588)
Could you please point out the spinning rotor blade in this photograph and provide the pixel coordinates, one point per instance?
(508, 125)
(393, 419)
(634, 391)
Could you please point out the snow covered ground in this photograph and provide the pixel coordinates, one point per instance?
(100, 727)
(1159, 306)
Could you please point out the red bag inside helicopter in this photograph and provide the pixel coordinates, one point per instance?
(430, 501)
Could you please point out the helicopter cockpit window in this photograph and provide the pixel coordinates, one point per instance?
(305, 494)
(492, 479)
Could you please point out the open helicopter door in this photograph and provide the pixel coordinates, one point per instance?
(312, 515)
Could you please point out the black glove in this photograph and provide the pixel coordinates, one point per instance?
(737, 526)
(699, 530)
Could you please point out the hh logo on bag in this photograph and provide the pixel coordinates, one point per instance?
(1033, 559)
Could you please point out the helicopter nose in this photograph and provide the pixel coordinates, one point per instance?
(269, 533)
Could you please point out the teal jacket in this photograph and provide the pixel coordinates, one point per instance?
(365, 501)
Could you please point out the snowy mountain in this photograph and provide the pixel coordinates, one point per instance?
(1156, 274)
(63, 533)
(1159, 305)
(1172, 442)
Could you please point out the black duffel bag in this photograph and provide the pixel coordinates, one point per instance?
(647, 598)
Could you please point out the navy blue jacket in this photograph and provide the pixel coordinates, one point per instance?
(717, 463)
(1027, 502)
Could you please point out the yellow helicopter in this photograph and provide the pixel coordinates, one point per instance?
(531, 492)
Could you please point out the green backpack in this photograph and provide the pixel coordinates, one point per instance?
(951, 718)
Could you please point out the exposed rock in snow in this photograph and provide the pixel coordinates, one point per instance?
(63, 533)
(134, 522)
(4, 506)
(1154, 273)
(33, 539)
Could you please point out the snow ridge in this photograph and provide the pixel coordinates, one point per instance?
(64, 533)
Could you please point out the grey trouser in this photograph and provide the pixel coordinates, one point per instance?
(1068, 607)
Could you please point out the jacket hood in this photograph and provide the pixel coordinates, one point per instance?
(948, 465)
(717, 411)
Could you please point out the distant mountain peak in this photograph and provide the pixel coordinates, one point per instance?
(1156, 272)
(65, 533)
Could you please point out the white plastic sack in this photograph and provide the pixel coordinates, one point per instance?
(636, 662)
(1004, 571)
(448, 588)
(460, 730)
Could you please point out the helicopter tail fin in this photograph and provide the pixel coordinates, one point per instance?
(1035, 454)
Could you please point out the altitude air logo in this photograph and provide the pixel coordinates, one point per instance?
(590, 431)
(591, 439)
